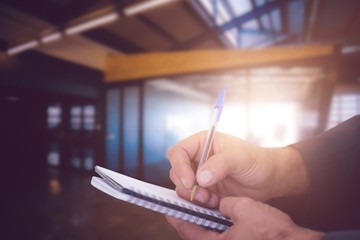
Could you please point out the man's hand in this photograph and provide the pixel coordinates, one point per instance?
(235, 168)
(252, 220)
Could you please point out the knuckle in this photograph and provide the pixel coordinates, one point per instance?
(243, 203)
(170, 153)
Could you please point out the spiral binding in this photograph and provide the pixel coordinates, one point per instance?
(207, 219)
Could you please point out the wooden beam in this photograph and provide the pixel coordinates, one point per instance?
(121, 67)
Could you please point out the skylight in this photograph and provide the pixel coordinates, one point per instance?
(243, 27)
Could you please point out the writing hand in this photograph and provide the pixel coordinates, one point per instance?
(235, 168)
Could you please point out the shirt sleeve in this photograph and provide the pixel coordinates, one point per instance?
(320, 150)
(343, 235)
(332, 160)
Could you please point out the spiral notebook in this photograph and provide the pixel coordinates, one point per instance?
(158, 199)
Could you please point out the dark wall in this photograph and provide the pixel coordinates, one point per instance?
(22, 130)
(34, 70)
(29, 83)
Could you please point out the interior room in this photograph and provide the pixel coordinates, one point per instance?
(117, 83)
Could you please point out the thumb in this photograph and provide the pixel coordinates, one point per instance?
(219, 166)
(237, 207)
(228, 207)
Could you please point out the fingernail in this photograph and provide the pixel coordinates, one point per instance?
(213, 201)
(186, 183)
(199, 197)
(205, 177)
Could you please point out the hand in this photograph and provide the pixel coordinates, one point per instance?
(235, 168)
(252, 220)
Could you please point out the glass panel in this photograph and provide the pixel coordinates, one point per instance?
(269, 106)
(112, 128)
(232, 37)
(260, 2)
(276, 20)
(54, 116)
(75, 118)
(223, 14)
(251, 40)
(343, 107)
(265, 21)
(233, 121)
(280, 127)
(131, 129)
(252, 24)
(89, 159)
(89, 117)
(295, 16)
(240, 7)
(53, 156)
(171, 112)
(75, 158)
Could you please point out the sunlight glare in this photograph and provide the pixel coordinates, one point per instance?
(269, 124)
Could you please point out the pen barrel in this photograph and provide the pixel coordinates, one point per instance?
(209, 138)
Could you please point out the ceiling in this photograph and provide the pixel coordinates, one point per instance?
(180, 25)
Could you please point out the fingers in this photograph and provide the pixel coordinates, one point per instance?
(203, 196)
(249, 211)
(182, 176)
(221, 165)
(256, 220)
(191, 231)
(238, 208)
(182, 157)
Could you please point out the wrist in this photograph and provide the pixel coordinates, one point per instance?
(303, 233)
(291, 176)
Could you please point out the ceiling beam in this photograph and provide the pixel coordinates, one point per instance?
(120, 67)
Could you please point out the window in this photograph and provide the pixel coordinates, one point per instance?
(269, 106)
(343, 107)
(53, 156)
(113, 116)
(75, 158)
(88, 159)
(54, 116)
(75, 118)
(83, 117)
(89, 117)
(253, 30)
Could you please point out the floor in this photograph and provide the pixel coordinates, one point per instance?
(54, 206)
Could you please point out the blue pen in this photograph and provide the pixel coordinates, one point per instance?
(210, 135)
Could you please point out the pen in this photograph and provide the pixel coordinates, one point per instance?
(210, 136)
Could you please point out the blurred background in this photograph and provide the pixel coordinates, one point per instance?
(60, 116)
